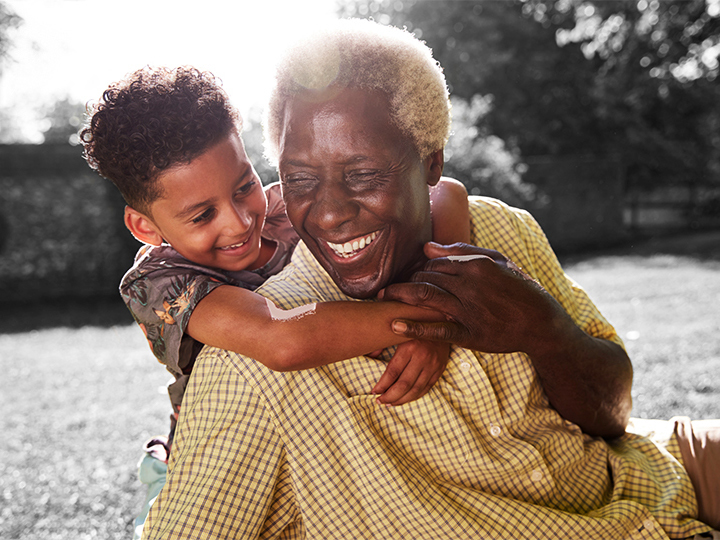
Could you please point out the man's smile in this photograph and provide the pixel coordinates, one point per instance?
(352, 247)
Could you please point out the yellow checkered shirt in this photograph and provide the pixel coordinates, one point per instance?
(309, 454)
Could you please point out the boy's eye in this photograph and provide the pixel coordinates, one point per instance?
(246, 188)
(205, 216)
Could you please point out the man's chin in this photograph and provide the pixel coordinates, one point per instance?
(360, 292)
(361, 288)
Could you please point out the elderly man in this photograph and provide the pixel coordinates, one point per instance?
(508, 443)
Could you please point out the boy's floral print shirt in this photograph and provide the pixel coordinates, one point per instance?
(162, 289)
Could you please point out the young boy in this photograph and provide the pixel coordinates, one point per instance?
(170, 141)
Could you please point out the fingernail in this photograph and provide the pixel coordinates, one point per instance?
(399, 327)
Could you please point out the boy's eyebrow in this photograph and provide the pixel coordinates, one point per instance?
(189, 210)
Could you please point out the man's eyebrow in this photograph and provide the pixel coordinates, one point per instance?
(294, 163)
(301, 163)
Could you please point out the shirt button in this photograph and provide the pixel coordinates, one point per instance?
(536, 475)
(465, 367)
(649, 524)
(495, 431)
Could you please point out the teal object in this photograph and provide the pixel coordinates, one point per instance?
(152, 472)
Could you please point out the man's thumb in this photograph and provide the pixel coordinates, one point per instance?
(431, 331)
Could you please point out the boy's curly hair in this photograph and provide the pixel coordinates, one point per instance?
(153, 120)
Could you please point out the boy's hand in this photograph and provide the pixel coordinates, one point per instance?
(411, 372)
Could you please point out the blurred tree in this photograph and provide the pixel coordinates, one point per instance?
(62, 121)
(254, 146)
(8, 21)
(482, 161)
(636, 80)
(655, 86)
(8, 126)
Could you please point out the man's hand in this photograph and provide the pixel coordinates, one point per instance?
(411, 372)
(491, 304)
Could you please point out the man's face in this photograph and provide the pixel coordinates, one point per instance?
(355, 189)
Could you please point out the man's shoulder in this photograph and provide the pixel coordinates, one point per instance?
(494, 216)
(507, 229)
(489, 205)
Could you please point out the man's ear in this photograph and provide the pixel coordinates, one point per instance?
(142, 227)
(434, 164)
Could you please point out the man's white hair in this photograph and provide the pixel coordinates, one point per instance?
(362, 54)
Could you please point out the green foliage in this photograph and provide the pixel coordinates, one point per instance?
(8, 20)
(634, 79)
(63, 120)
(61, 228)
(655, 86)
(252, 136)
(482, 161)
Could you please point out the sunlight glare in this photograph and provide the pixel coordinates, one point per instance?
(75, 48)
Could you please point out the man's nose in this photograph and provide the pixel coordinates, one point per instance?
(334, 205)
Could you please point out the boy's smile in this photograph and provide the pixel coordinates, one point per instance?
(212, 210)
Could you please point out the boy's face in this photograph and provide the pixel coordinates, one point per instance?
(213, 209)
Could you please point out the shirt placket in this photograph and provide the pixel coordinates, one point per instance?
(523, 471)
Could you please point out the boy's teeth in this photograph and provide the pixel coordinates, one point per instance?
(349, 248)
(234, 246)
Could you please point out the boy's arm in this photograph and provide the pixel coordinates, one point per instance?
(450, 212)
(245, 322)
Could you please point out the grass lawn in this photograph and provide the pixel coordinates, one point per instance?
(79, 389)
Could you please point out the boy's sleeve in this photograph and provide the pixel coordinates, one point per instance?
(161, 291)
(277, 225)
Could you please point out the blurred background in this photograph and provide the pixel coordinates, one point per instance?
(600, 117)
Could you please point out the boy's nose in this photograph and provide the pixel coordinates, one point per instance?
(237, 221)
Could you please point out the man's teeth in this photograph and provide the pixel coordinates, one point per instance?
(349, 249)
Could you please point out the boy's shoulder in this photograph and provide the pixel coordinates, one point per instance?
(163, 262)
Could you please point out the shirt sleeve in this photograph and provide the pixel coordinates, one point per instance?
(229, 476)
(161, 291)
(277, 225)
(567, 292)
(516, 234)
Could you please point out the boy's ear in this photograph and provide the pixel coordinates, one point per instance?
(142, 227)
(434, 164)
